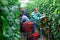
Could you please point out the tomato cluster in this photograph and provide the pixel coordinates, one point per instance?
(36, 35)
(28, 26)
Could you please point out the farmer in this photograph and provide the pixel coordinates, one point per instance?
(24, 12)
(23, 18)
(35, 16)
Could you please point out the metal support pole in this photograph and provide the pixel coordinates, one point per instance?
(48, 34)
(40, 33)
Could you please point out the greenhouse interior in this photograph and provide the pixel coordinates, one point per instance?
(29, 19)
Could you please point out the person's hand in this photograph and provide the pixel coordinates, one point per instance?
(42, 16)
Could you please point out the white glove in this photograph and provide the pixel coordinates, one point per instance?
(42, 16)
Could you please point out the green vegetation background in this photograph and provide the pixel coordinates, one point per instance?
(9, 11)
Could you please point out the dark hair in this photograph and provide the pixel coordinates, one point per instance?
(35, 8)
(21, 7)
(20, 15)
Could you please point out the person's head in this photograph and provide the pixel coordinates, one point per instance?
(20, 16)
(21, 8)
(35, 9)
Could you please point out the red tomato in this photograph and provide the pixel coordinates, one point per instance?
(28, 26)
(36, 35)
(48, 30)
(27, 30)
(44, 19)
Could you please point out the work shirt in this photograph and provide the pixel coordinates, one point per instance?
(25, 18)
(35, 17)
